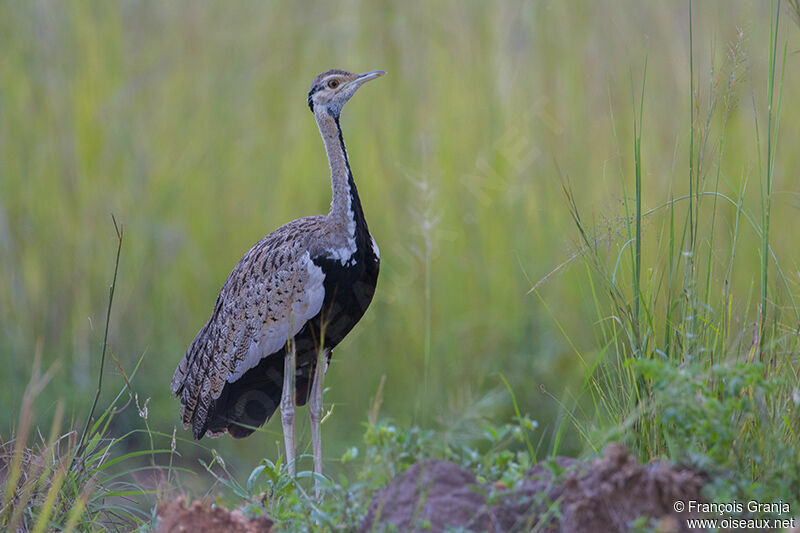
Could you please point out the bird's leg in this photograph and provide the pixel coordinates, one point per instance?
(315, 415)
(287, 404)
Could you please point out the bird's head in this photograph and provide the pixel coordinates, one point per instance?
(331, 90)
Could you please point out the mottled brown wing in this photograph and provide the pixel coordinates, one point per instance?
(268, 297)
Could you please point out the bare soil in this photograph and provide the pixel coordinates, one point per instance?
(607, 494)
(199, 517)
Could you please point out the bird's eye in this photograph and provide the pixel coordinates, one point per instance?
(333, 84)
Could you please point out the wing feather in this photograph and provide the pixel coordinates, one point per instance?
(268, 297)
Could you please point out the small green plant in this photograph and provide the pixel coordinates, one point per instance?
(731, 421)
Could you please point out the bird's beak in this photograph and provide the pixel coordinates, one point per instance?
(361, 79)
(370, 76)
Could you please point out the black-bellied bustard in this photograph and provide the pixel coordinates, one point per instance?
(287, 303)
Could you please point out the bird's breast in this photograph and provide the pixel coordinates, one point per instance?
(349, 288)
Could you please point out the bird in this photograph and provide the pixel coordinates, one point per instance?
(286, 305)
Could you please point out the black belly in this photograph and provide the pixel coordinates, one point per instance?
(254, 397)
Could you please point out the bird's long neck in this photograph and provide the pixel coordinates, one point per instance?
(345, 205)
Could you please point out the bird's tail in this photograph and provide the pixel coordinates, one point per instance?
(251, 400)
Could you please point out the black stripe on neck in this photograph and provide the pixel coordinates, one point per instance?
(355, 202)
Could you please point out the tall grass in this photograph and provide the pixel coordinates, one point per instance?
(100, 376)
(78, 480)
(188, 120)
(719, 387)
(767, 180)
(60, 484)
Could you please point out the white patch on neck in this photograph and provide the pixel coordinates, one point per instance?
(345, 252)
(375, 249)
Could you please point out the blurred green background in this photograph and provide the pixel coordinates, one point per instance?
(188, 122)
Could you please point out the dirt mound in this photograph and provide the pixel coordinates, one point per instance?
(175, 517)
(439, 492)
(562, 495)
